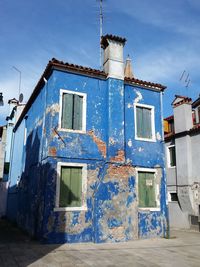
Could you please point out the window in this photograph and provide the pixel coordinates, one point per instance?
(173, 196)
(71, 186)
(198, 114)
(148, 189)
(171, 126)
(6, 167)
(171, 156)
(144, 122)
(73, 110)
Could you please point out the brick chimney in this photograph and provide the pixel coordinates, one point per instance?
(128, 70)
(113, 63)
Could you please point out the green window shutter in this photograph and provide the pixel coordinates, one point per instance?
(141, 189)
(147, 133)
(144, 127)
(150, 190)
(139, 121)
(70, 187)
(76, 187)
(77, 116)
(146, 190)
(65, 183)
(67, 111)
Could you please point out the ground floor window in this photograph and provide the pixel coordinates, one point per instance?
(147, 189)
(71, 186)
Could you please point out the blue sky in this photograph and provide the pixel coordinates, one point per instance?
(163, 39)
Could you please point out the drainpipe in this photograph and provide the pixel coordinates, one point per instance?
(167, 235)
(44, 116)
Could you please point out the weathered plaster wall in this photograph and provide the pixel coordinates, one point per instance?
(112, 211)
(148, 155)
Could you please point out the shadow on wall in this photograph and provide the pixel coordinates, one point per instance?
(26, 202)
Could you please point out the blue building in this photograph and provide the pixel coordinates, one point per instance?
(89, 156)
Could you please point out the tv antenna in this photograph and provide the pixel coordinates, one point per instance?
(20, 77)
(101, 28)
(185, 78)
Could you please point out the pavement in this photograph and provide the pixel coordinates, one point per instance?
(17, 249)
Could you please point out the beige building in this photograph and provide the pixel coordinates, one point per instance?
(182, 144)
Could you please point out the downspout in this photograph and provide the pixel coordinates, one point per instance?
(167, 235)
(44, 117)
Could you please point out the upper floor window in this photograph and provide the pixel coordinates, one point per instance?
(144, 122)
(73, 110)
(171, 156)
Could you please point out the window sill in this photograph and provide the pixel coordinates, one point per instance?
(71, 131)
(149, 209)
(71, 209)
(145, 139)
(171, 167)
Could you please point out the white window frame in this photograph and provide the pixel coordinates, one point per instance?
(152, 108)
(168, 157)
(84, 186)
(64, 91)
(157, 189)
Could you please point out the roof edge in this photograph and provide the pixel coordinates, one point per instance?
(145, 84)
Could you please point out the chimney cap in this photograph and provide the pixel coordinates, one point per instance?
(179, 100)
(105, 38)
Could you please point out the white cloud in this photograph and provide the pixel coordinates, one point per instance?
(166, 65)
(175, 16)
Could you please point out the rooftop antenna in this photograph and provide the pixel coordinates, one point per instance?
(20, 77)
(185, 78)
(101, 29)
(182, 75)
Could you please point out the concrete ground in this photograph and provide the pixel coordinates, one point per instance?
(16, 249)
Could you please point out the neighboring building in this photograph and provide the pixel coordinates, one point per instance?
(182, 139)
(6, 139)
(2, 150)
(91, 148)
(3, 185)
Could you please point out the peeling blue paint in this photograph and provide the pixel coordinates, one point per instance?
(112, 213)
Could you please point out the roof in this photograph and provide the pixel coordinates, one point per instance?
(170, 118)
(194, 130)
(13, 100)
(179, 100)
(146, 84)
(55, 64)
(105, 38)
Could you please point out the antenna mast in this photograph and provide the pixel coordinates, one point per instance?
(101, 30)
(20, 78)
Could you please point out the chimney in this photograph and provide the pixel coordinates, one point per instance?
(113, 64)
(128, 71)
(12, 103)
(182, 113)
